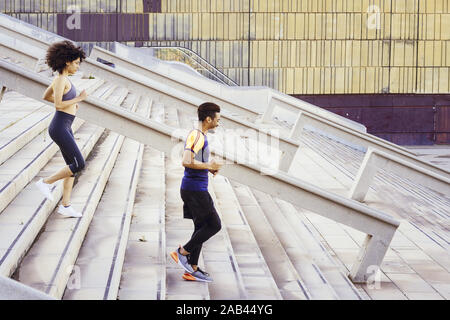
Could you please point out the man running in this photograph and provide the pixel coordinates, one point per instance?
(198, 204)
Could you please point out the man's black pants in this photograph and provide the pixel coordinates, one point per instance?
(199, 206)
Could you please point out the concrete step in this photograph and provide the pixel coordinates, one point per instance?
(258, 280)
(334, 272)
(119, 95)
(101, 256)
(50, 261)
(178, 231)
(24, 217)
(102, 253)
(314, 279)
(219, 256)
(15, 107)
(23, 131)
(144, 267)
(104, 91)
(289, 282)
(19, 170)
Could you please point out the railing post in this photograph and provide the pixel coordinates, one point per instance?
(365, 175)
(286, 161)
(371, 256)
(268, 114)
(297, 130)
(2, 93)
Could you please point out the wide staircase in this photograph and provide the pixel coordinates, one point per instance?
(268, 248)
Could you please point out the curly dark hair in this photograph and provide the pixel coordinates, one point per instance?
(59, 53)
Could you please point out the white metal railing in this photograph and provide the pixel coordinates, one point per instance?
(355, 137)
(379, 227)
(374, 160)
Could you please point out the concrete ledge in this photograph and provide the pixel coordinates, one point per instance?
(376, 159)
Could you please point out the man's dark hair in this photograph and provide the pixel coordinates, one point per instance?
(59, 53)
(207, 109)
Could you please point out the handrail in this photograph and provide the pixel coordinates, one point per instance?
(190, 52)
(326, 125)
(380, 227)
(287, 146)
(376, 159)
(186, 103)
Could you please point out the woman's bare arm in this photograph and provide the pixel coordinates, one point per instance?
(48, 94)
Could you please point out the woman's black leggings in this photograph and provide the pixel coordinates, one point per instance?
(61, 133)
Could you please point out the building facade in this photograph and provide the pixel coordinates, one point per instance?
(384, 63)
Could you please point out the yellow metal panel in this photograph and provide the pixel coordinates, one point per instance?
(440, 6)
(298, 80)
(328, 55)
(428, 77)
(357, 26)
(437, 50)
(356, 80)
(303, 53)
(195, 26)
(219, 5)
(310, 81)
(259, 26)
(226, 54)
(447, 51)
(339, 80)
(290, 26)
(263, 5)
(232, 26)
(300, 26)
(341, 26)
(289, 87)
(317, 80)
(327, 81)
(445, 26)
(430, 27)
(394, 80)
(219, 26)
(285, 6)
(330, 21)
(443, 80)
(429, 54)
(313, 53)
(370, 80)
(338, 61)
(353, 53)
(437, 27)
(284, 46)
(276, 26)
(262, 54)
(410, 53)
(271, 55)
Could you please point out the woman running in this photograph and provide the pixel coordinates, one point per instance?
(65, 58)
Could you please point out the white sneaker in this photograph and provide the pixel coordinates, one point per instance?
(69, 212)
(45, 189)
